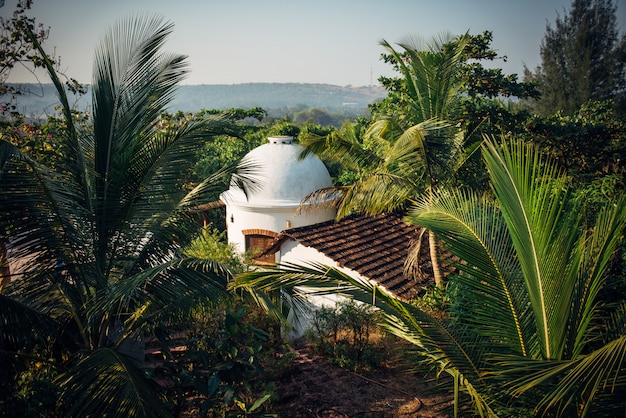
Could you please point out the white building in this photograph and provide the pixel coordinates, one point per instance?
(256, 214)
(365, 247)
(267, 219)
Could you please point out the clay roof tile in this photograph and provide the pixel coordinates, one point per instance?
(374, 246)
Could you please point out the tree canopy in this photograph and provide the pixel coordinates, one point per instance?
(583, 57)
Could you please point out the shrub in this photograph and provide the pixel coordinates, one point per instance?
(344, 332)
(213, 365)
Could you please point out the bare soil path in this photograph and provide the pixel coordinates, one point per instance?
(319, 388)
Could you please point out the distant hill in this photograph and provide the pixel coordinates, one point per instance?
(192, 98)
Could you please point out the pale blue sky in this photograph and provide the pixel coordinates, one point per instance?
(314, 41)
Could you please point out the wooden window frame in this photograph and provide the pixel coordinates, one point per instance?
(266, 237)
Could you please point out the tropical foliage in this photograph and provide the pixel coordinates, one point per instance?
(528, 333)
(102, 208)
(410, 147)
(102, 230)
(532, 273)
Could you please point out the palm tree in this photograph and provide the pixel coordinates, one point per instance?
(102, 235)
(409, 150)
(538, 294)
(386, 165)
(529, 333)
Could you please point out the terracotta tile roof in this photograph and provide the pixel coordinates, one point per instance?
(374, 246)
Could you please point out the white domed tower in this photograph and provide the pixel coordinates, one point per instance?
(255, 217)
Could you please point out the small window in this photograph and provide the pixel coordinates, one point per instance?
(255, 243)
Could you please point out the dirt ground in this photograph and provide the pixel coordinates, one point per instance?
(318, 388)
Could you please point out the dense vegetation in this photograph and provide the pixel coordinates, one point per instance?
(106, 206)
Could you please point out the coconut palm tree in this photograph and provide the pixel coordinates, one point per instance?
(529, 333)
(102, 234)
(411, 148)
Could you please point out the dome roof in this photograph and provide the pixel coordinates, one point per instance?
(282, 178)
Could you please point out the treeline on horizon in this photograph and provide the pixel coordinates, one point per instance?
(278, 99)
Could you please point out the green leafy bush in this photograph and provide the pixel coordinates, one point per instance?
(211, 244)
(344, 333)
(34, 393)
(213, 367)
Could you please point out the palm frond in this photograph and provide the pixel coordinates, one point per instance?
(133, 82)
(102, 235)
(214, 183)
(375, 193)
(430, 75)
(597, 248)
(292, 275)
(156, 295)
(474, 232)
(44, 220)
(424, 151)
(382, 133)
(8, 153)
(528, 273)
(268, 303)
(572, 386)
(329, 197)
(344, 146)
(70, 142)
(21, 326)
(106, 383)
(531, 202)
(155, 194)
(444, 346)
(452, 350)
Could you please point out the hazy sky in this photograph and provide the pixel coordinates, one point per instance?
(314, 41)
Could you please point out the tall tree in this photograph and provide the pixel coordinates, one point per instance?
(410, 147)
(418, 140)
(103, 231)
(582, 58)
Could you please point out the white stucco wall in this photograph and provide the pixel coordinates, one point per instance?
(241, 217)
(293, 252)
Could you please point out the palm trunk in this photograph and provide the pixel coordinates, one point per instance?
(432, 244)
(5, 272)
